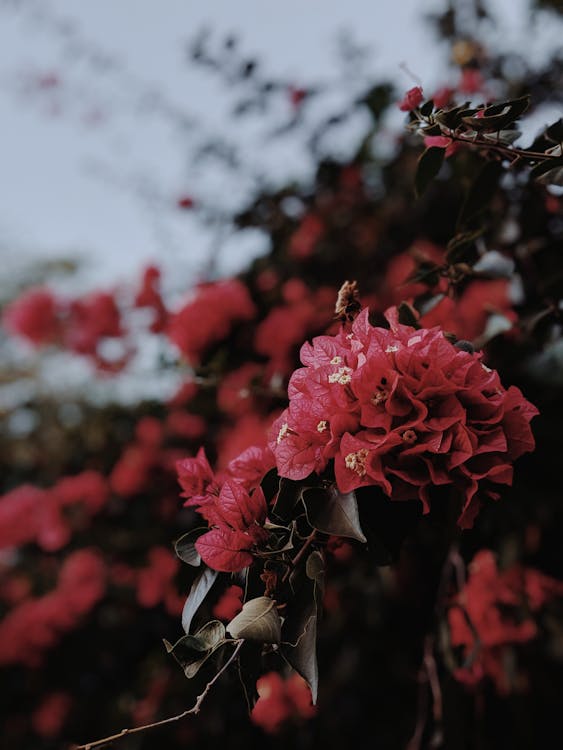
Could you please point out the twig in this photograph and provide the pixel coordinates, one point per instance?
(506, 150)
(193, 710)
(299, 556)
(428, 673)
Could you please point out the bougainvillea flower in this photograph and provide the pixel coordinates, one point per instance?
(232, 503)
(209, 316)
(281, 701)
(494, 611)
(33, 316)
(412, 99)
(403, 409)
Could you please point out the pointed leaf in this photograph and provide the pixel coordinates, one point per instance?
(428, 167)
(185, 547)
(192, 651)
(549, 172)
(258, 621)
(199, 590)
(315, 567)
(333, 512)
(289, 494)
(299, 632)
(555, 132)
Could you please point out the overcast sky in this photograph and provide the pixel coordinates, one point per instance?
(89, 171)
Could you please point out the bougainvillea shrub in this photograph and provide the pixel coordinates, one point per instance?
(346, 522)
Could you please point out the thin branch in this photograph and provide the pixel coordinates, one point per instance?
(506, 150)
(193, 710)
(299, 556)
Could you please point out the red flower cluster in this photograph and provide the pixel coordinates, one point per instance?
(155, 581)
(233, 505)
(33, 316)
(38, 624)
(403, 409)
(304, 240)
(494, 611)
(79, 325)
(467, 315)
(209, 317)
(149, 296)
(30, 514)
(281, 701)
(287, 326)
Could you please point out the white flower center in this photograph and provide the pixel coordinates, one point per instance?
(357, 461)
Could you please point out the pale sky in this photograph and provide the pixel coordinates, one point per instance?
(89, 173)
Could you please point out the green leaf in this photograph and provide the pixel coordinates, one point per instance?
(192, 651)
(498, 116)
(555, 132)
(315, 566)
(481, 191)
(270, 484)
(549, 172)
(407, 315)
(258, 621)
(428, 167)
(199, 590)
(289, 494)
(333, 512)
(299, 632)
(451, 118)
(185, 547)
(427, 108)
(507, 137)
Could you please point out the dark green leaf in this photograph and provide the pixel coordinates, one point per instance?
(315, 566)
(199, 590)
(270, 484)
(258, 621)
(432, 130)
(299, 632)
(507, 137)
(451, 118)
(481, 191)
(289, 494)
(427, 108)
(407, 315)
(555, 132)
(185, 547)
(428, 167)
(333, 512)
(192, 651)
(549, 172)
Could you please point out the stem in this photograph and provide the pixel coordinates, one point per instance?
(507, 150)
(193, 710)
(428, 674)
(299, 556)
